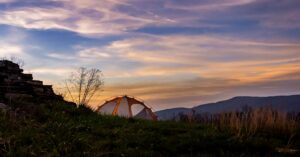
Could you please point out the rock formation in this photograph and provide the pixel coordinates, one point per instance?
(15, 84)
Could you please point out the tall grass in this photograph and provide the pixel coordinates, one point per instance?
(250, 122)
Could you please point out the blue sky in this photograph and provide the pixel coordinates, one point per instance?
(170, 53)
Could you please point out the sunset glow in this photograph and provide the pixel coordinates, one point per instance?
(169, 53)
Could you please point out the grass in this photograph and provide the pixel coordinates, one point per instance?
(52, 128)
(251, 122)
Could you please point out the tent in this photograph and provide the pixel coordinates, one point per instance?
(127, 107)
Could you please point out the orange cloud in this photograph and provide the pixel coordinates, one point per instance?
(188, 67)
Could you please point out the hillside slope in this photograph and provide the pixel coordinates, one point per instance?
(281, 103)
(55, 128)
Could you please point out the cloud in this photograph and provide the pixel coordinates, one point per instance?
(6, 1)
(180, 69)
(114, 17)
(36, 18)
(11, 43)
(52, 71)
(196, 91)
(286, 20)
(91, 18)
(205, 50)
(10, 50)
(257, 16)
(194, 67)
(197, 54)
(194, 5)
(93, 53)
(162, 95)
(198, 49)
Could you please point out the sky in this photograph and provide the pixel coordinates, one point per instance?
(169, 53)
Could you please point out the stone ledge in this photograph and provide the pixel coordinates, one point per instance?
(16, 95)
(15, 84)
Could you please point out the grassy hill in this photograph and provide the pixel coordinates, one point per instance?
(56, 128)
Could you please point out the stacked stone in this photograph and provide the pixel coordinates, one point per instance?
(14, 83)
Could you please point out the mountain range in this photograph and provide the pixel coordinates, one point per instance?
(282, 103)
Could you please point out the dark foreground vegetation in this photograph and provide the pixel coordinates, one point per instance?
(56, 128)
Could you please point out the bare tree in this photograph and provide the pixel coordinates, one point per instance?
(83, 85)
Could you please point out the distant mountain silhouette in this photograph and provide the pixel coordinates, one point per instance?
(281, 103)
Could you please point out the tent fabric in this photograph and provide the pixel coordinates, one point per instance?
(127, 107)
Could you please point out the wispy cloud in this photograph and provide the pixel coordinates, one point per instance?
(194, 65)
(6, 1)
(198, 49)
(167, 52)
(84, 17)
(191, 92)
(206, 5)
(52, 71)
(11, 44)
(10, 49)
(112, 17)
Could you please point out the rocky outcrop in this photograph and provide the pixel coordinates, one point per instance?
(14, 83)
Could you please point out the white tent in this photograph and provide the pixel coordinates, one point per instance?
(127, 107)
